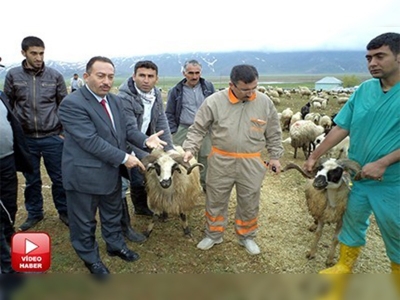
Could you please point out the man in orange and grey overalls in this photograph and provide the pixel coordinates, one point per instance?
(241, 122)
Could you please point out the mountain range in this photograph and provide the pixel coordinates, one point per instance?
(220, 63)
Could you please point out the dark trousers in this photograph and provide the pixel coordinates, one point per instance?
(136, 178)
(8, 194)
(82, 210)
(50, 148)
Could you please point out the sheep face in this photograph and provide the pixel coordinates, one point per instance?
(329, 175)
(164, 173)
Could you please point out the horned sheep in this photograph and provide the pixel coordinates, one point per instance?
(326, 192)
(173, 186)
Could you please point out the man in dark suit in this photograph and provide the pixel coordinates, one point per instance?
(96, 134)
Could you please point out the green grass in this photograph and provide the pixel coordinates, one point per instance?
(280, 80)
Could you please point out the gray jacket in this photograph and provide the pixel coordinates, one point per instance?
(174, 102)
(35, 97)
(134, 108)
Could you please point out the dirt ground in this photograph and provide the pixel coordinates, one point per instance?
(283, 237)
(283, 234)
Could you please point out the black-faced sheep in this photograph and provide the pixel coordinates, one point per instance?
(326, 194)
(172, 186)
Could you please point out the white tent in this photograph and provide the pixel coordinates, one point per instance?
(328, 83)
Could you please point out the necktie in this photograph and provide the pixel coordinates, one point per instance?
(103, 103)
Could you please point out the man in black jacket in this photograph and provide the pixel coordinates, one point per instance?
(35, 92)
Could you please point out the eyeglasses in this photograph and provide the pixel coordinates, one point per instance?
(246, 90)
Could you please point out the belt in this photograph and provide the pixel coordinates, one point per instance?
(235, 154)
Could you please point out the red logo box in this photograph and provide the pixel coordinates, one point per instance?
(30, 252)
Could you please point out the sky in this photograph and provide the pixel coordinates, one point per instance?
(75, 31)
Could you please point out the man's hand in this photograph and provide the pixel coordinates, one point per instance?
(188, 156)
(133, 161)
(154, 141)
(309, 164)
(275, 166)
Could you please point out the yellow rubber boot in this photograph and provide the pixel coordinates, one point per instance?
(337, 287)
(348, 257)
(396, 276)
(395, 268)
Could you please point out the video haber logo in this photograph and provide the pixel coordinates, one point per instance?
(30, 252)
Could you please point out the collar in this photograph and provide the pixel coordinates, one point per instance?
(233, 99)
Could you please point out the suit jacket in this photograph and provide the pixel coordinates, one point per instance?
(93, 149)
(23, 162)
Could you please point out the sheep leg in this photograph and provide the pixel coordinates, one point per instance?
(295, 153)
(318, 233)
(305, 150)
(150, 227)
(185, 225)
(335, 241)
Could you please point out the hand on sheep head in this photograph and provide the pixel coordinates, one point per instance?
(188, 156)
(154, 141)
(173, 151)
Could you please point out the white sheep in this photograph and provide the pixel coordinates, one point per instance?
(173, 186)
(338, 151)
(313, 116)
(326, 194)
(325, 121)
(342, 100)
(285, 119)
(302, 134)
(296, 117)
(304, 91)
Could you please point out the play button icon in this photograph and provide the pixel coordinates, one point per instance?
(30, 246)
(30, 252)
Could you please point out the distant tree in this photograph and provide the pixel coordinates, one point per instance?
(350, 81)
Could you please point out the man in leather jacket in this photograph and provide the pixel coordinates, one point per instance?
(35, 92)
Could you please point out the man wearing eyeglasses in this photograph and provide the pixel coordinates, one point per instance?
(242, 122)
(184, 99)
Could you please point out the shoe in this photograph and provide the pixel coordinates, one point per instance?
(143, 211)
(97, 268)
(126, 227)
(208, 243)
(133, 235)
(125, 254)
(250, 246)
(64, 218)
(30, 223)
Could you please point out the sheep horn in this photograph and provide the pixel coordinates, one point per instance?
(298, 168)
(186, 165)
(149, 159)
(189, 170)
(179, 160)
(351, 165)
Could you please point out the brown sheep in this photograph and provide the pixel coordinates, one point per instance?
(326, 194)
(173, 186)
